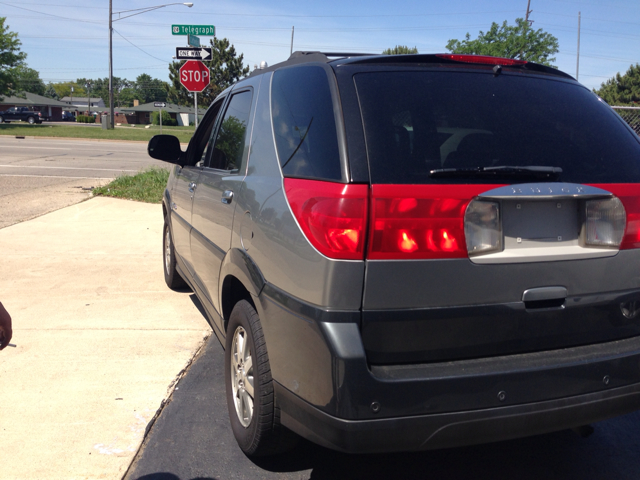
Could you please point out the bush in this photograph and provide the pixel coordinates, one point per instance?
(86, 119)
(166, 119)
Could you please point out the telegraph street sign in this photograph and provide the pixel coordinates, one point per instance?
(194, 75)
(186, 53)
(159, 104)
(204, 30)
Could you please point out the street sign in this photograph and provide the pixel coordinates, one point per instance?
(204, 30)
(194, 75)
(159, 104)
(186, 53)
(193, 40)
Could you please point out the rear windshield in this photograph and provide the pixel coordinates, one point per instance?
(419, 121)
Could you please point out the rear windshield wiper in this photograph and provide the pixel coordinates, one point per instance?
(533, 171)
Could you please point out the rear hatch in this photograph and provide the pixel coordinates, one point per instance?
(503, 213)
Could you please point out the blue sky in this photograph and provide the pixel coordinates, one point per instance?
(67, 39)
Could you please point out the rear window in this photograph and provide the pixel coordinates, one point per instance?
(304, 124)
(418, 121)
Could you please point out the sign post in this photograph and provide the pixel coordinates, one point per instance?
(195, 76)
(160, 105)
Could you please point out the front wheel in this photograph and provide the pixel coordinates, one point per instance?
(31, 120)
(171, 276)
(253, 412)
(1, 119)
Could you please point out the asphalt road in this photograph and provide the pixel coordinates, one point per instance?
(40, 175)
(192, 439)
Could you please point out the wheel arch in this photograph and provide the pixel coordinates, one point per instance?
(241, 279)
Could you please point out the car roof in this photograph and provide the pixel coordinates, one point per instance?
(342, 58)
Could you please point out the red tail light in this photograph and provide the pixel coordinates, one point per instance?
(333, 216)
(483, 59)
(629, 195)
(419, 221)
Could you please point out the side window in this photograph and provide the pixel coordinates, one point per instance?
(304, 124)
(202, 137)
(229, 145)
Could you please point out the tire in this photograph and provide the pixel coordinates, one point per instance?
(253, 412)
(171, 276)
(31, 120)
(1, 119)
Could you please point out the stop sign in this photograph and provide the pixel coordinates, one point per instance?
(194, 75)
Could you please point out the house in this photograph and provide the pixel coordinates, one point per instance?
(81, 104)
(50, 108)
(141, 114)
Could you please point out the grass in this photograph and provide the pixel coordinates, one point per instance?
(137, 133)
(146, 186)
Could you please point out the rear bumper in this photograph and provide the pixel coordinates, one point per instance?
(331, 394)
(426, 432)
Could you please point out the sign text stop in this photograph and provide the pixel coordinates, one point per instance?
(194, 75)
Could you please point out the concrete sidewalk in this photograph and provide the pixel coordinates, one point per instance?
(99, 336)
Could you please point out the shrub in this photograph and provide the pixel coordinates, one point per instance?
(86, 119)
(166, 119)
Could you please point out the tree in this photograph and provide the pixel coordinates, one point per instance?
(63, 89)
(50, 92)
(150, 89)
(400, 50)
(10, 59)
(226, 68)
(622, 89)
(28, 80)
(519, 41)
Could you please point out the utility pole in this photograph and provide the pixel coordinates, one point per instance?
(291, 51)
(111, 119)
(578, 57)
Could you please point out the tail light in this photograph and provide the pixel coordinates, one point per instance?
(483, 228)
(630, 198)
(605, 222)
(419, 221)
(333, 216)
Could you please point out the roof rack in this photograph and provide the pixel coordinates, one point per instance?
(298, 57)
(298, 54)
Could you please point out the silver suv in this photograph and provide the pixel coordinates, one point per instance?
(411, 252)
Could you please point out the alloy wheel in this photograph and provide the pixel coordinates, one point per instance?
(242, 376)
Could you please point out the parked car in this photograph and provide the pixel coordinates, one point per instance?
(68, 117)
(411, 252)
(24, 114)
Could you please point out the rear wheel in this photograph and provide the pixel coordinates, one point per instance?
(31, 120)
(1, 119)
(254, 415)
(171, 276)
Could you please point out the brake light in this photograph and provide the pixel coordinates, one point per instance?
(333, 216)
(419, 221)
(483, 59)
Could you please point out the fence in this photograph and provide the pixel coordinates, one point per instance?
(631, 115)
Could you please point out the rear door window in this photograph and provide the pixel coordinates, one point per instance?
(304, 124)
(419, 121)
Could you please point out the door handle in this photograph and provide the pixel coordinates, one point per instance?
(227, 197)
(192, 187)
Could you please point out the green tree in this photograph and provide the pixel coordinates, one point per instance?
(10, 59)
(517, 41)
(63, 89)
(150, 89)
(50, 92)
(226, 68)
(230, 140)
(622, 89)
(400, 50)
(28, 80)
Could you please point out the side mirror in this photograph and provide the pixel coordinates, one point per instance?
(166, 148)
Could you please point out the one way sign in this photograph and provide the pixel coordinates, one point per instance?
(198, 53)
